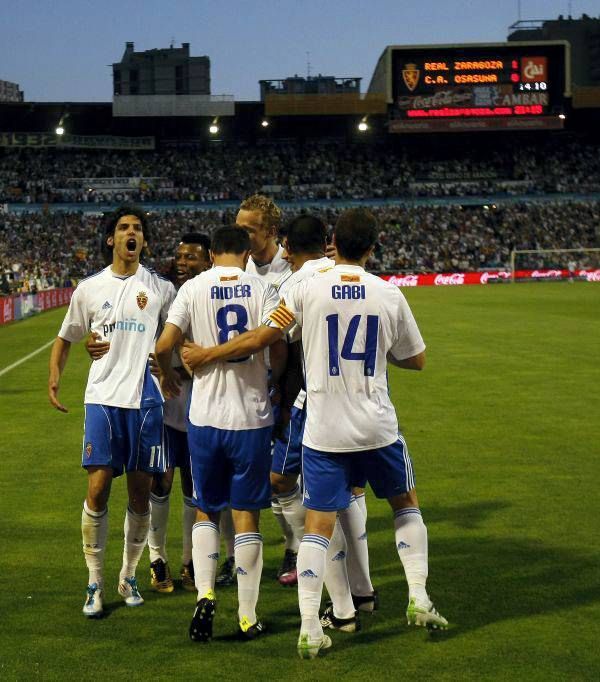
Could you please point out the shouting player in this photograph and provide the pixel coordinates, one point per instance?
(124, 304)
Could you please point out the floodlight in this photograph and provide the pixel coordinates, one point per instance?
(59, 130)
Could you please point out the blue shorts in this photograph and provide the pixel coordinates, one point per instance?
(287, 453)
(329, 476)
(230, 468)
(124, 439)
(176, 448)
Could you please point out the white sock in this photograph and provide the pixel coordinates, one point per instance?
(205, 550)
(353, 524)
(94, 529)
(361, 501)
(136, 535)
(249, 562)
(311, 571)
(291, 541)
(293, 512)
(336, 575)
(411, 542)
(157, 533)
(227, 531)
(188, 519)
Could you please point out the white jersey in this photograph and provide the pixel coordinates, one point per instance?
(284, 284)
(175, 409)
(270, 271)
(350, 321)
(127, 311)
(212, 308)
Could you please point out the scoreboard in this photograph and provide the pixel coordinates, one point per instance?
(485, 86)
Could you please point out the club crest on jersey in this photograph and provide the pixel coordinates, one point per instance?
(88, 450)
(142, 299)
(410, 76)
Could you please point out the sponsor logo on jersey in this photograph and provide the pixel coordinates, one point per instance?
(88, 450)
(126, 325)
(106, 305)
(142, 299)
(350, 278)
(230, 278)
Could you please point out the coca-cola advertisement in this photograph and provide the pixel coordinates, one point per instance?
(486, 277)
(7, 310)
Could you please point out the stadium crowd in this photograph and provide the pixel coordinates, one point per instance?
(42, 250)
(292, 172)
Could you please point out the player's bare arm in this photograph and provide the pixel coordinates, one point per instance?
(58, 360)
(239, 347)
(95, 347)
(169, 379)
(416, 362)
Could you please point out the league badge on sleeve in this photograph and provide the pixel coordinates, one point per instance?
(142, 299)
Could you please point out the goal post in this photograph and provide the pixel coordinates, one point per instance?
(527, 264)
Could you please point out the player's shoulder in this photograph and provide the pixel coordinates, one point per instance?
(90, 282)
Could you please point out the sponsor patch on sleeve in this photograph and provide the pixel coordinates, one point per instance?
(282, 317)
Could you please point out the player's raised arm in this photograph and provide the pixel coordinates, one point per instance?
(58, 360)
(169, 379)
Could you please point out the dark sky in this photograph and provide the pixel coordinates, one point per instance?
(60, 50)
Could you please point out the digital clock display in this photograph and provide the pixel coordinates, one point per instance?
(478, 81)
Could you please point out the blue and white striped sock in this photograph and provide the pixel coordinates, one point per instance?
(159, 521)
(293, 512)
(248, 550)
(311, 572)
(353, 524)
(188, 519)
(336, 574)
(411, 543)
(205, 552)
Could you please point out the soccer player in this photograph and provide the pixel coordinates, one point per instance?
(304, 243)
(353, 323)
(191, 258)
(230, 422)
(124, 303)
(261, 218)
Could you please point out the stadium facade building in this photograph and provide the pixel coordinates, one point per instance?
(169, 71)
(10, 92)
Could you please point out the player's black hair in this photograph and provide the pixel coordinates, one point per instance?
(355, 233)
(230, 239)
(306, 234)
(110, 224)
(196, 238)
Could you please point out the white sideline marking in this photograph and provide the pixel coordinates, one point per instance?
(27, 357)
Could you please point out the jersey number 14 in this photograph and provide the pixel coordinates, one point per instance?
(368, 356)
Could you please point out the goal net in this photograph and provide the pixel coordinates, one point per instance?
(555, 264)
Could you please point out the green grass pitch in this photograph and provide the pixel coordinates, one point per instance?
(503, 428)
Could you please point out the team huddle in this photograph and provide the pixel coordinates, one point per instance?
(264, 380)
